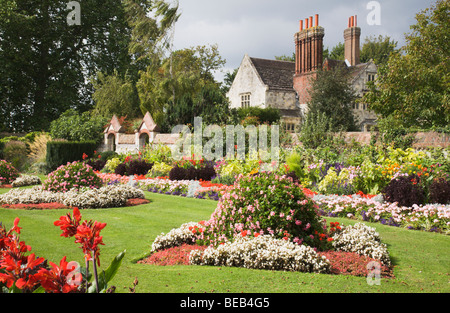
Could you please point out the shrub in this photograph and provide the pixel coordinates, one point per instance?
(160, 169)
(206, 172)
(97, 165)
(133, 167)
(8, 173)
(112, 164)
(73, 175)
(405, 190)
(439, 191)
(265, 203)
(15, 152)
(62, 152)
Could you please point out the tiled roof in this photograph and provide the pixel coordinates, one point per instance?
(275, 74)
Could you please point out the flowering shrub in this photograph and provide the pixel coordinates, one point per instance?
(72, 176)
(26, 180)
(363, 240)
(268, 204)
(262, 252)
(8, 173)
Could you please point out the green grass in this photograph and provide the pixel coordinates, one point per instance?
(422, 260)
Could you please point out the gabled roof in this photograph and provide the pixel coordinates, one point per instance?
(114, 125)
(354, 71)
(149, 123)
(277, 75)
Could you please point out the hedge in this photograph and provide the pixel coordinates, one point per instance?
(61, 152)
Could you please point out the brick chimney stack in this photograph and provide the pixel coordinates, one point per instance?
(308, 55)
(352, 37)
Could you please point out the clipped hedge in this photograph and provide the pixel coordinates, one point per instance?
(63, 152)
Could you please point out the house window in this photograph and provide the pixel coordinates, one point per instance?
(371, 77)
(245, 100)
(289, 127)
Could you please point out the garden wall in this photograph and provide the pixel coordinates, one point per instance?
(422, 139)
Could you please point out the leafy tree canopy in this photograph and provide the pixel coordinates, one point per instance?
(413, 87)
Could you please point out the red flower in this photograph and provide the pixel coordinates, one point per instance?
(68, 224)
(256, 234)
(85, 156)
(244, 233)
(60, 279)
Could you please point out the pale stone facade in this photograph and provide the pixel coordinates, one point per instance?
(266, 84)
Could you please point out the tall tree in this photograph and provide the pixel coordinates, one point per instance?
(378, 49)
(183, 74)
(414, 86)
(46, 62)
(332, 95)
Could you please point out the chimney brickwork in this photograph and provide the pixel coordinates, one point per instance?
(308, 56)
(352, 37)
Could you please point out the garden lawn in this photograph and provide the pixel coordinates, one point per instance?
(421, 259)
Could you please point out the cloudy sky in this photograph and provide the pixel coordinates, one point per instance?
(265, 28)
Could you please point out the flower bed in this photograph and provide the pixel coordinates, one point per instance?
(104, 197)
(431, 217)
(26, 180)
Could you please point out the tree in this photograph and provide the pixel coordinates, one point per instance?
(413, 88)
(74, 126)
(46, 62)
(332, 94)
(377, 49)
(181, 75)
(46, 65)
(336, 53)
(115, 95)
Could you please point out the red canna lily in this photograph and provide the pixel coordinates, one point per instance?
(68, 224)
(61, 279)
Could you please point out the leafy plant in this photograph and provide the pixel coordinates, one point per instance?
(405, 190)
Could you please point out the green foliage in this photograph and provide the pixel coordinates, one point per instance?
(115, 95)
(72, 175)
(316, 130)
(377, 49)
(413, 87)
(178, 79)
(332, 94)
(16, 152)
(264, 115)
(73, 126)
(62, 152)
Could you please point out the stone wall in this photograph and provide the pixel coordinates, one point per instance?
(422, 139)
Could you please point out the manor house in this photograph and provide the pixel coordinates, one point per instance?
(285, 85)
